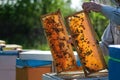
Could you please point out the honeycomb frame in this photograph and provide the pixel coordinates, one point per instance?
(57, 38)
(85, 43)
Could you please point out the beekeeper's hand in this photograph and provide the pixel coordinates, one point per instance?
(91, 6)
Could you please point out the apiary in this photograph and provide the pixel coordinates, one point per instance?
(87, 47)
(57, 37)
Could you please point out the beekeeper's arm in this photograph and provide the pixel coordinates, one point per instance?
(113, 14)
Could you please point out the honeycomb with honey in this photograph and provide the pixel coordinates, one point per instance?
(57, 38)
(85, 43)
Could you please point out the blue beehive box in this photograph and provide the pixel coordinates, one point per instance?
(31, 63)
(114, 62)
(35, 63)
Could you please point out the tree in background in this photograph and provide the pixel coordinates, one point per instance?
(20, 20)
(99, 23)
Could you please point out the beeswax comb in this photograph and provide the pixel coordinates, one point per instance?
(57, 38)
(85, 43)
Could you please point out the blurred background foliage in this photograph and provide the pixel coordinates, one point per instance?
(20, 21)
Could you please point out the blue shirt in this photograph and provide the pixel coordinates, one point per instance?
(112, 13)
(111, 34)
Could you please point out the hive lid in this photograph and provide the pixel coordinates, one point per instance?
(114, 51)
(2, 43)
(12, 47)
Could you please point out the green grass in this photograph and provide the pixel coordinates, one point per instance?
(44, 47)
(106, 59)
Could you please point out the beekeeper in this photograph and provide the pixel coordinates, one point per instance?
(111, 34)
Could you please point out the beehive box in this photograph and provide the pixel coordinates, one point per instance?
(32, 73)
(83, 36)
(57, 37)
